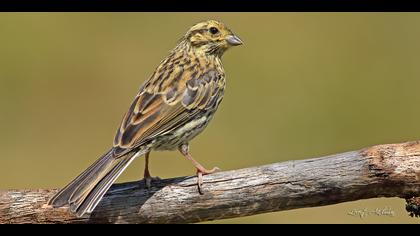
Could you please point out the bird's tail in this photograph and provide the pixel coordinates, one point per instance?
(84, 193)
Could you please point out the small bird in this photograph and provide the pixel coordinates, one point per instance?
(172, 107)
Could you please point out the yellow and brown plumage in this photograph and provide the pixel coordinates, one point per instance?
(173, 106)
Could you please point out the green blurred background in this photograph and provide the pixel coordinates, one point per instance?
(303, 85)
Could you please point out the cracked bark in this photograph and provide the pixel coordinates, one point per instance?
(391, 170)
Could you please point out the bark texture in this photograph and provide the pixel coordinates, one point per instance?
(391, 170)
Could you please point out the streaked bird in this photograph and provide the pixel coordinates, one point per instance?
(172, 107)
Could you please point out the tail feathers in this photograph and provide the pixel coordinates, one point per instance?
(96, 194)
(63, 196)
(84, 193)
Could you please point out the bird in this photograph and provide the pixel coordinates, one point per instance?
(172, 107)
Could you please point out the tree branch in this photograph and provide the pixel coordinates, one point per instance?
(380, 171)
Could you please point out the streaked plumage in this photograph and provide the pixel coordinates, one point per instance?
(173, 106)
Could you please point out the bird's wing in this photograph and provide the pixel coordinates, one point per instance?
(163, 105)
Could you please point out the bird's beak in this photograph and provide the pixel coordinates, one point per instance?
(234, 40)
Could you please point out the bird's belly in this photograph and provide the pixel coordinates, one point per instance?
(181, 135)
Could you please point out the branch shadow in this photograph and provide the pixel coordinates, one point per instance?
(123, 201)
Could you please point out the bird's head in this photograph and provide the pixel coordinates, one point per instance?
(211, 37)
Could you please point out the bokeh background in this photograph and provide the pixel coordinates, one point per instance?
(303, 85)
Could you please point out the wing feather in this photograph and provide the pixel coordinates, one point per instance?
(166, 108)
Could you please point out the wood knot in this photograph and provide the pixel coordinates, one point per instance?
(379, 154)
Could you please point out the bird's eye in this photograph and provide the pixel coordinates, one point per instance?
(213, 30)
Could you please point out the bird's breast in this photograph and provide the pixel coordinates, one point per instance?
(181, 135)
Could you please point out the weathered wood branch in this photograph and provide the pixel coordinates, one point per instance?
(380, 171)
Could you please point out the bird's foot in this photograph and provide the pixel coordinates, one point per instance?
(149, 179)
(202, 171)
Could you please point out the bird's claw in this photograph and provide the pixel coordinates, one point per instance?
(148, 181)
(200, 173)
(200, 182)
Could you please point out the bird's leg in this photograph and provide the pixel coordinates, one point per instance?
(184, 149)
(147, 177)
